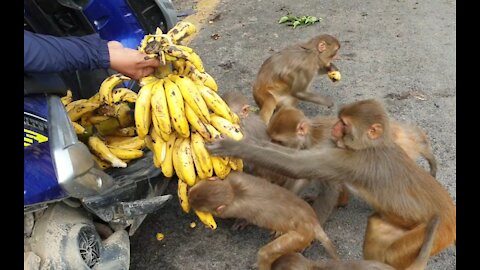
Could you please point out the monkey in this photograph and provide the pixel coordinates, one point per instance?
(285, 77)
(296, 261)
(266, 205)
(404, 197)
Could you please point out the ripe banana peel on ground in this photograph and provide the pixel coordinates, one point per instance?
(176, 111)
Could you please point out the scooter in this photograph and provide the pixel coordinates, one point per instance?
(77, 216)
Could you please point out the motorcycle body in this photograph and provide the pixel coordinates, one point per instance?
(77, 216)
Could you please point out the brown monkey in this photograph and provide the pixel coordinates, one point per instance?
(290, 127)
(404, 196)
(266, 205)
(285, 77)
(296, 261)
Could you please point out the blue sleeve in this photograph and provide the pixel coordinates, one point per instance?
(45, 53)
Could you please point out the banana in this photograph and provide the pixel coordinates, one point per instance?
(143, 114)
(207, 219)
(100, 163)
(95, 119)
(74, 104)
(179, 66)
(126, 132)
(99, 148)
(185, 48)
(176, 108)
(226, 127)
(107, 127)
(124, 115)
(219, 167)
(181, 30)
(125, 142)
(238, 163)
(126, 153)
(159, 148)
(159, 108)
(149, 143)
(175, 161)
(163, 70)
(146, 80)
(335, 75)
(201, 157)
(215, 102)
(67, 98)
(170, 58)
(204, 78)
(77, 111)
(193, 57)
(79, 129)
(182, 195)
(192, 96)
(185, 162)
(161, 57)
(214, 133)
(167, 165)
(164, 135)
(196, 123)
(95, 98)
(143, 44)
(123, 94)
(107, 86)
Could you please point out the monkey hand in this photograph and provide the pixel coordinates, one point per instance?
(224, 147)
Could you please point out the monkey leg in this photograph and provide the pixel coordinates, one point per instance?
(343, 197)
(240, 224)
(379, 236)
(287, 243)
(296, 185)
(315, 98)
(267, 108)
(326, 200)
(403, 251)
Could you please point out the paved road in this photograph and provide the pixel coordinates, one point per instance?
(402, 52)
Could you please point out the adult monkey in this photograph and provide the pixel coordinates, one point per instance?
(285, 77)
(404, 196)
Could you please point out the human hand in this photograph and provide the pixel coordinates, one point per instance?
(130, 62)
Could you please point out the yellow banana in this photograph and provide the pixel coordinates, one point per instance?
(193, 57)
(159, 148)
(181, 30)
(204, 78)
(201, 157)
(101, 163)
(125, 142)
(77, 111)
(196, 123)
(164, 135)
(175, 161)
(207, 219)
(170, 58)
(226, 127)
(124, 115)
(146, 39)
(75, 103)
(79, 129)
(123, 94)
(107, 86)
(67, 98)
(146, 80)
(162, 58)
(126, 131)
(335, 75)
(149, 143)
(237, 163)
(100, 149)
(185, 162)
(214, 133)
(143, 114)
(163, 70)
(179, 66)
(95, 119)
(192, 96)
(220, 169)
(176, 108)
(160, 109)
(215, 102)
(167, 165)
(95, 98)
(126, 153)
(183, 195)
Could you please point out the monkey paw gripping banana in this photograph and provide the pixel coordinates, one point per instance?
(177, 110)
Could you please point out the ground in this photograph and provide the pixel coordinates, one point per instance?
(402, 52)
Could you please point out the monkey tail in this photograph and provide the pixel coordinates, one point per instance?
(432, 162)
(422, 259)
(321, 236)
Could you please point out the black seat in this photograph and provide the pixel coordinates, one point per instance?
(50, 83)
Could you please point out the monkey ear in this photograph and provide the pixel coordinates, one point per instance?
(303, 128)
(322, 46)
(245, 111)
(220, 208)
(375, 131)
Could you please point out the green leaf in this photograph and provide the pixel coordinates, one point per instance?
(284, 19)
(296, 23)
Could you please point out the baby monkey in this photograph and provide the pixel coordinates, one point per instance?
(266, 205)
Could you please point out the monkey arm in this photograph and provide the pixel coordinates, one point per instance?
(299, 164)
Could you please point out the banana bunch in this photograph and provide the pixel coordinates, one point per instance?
(333, 73)
(105, 123)
(178, 110)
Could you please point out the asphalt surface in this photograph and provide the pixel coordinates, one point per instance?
(401, 52)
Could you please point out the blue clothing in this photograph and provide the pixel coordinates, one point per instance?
(45, 53)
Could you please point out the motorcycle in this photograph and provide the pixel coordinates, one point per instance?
(77, 216)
